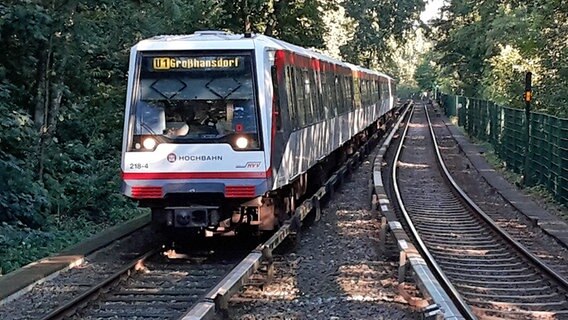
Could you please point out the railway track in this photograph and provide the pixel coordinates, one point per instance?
(524, 230)
(152, 287)
(493, 274)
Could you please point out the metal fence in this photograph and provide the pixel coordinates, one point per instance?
(544, 157)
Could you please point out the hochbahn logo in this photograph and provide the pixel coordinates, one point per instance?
(172, 157)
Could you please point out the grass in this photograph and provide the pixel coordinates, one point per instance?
(20, 245)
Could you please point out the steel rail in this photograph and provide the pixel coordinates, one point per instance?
(450, 289)
(67, 309)
(443, 306)
(469, 202)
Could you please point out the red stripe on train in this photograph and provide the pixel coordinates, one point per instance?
(195, 175)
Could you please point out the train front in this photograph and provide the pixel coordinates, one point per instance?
(192, 148)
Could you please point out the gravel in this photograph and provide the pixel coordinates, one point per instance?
(491, 202)
(337, 271)
(45, 297)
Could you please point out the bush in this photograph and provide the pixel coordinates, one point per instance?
(22, 198)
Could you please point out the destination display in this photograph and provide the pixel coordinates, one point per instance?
(205, 63)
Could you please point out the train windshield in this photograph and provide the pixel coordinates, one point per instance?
(196, 98)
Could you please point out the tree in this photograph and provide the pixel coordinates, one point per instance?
(378, 26)
(296, 21)
(486, 48)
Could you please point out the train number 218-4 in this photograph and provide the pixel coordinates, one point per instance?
(138, 166)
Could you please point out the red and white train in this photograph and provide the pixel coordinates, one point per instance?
(224, 132)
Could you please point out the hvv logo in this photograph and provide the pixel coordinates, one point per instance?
(249, 165)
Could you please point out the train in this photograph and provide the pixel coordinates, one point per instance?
(226, 133)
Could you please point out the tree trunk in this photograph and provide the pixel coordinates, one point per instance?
(46, 95)
(273, 22)
(41, 87)
(57, 96)
(42, 101)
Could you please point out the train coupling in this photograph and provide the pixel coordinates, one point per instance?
(192, 216)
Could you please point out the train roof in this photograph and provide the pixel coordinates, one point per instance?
(217, 40)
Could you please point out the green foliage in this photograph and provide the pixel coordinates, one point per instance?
(22, 198)
(63, 72)
(501, 81)
(296, 21)
(486, 47)
(20, 245)
(17, 239)
(377, 27)
(407, 91)
(426, 74)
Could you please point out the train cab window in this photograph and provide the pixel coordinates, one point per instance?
(196, 98)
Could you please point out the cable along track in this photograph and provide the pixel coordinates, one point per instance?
(494, 274)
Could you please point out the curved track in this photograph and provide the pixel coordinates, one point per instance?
(494, 274)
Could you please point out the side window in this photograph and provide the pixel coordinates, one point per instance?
(300, 97)
(356, 86)
(308, 103)
(291, 97)
(276, 97)
(317, 97)
(332, 94)
(364, 93)
(349, 92)
(385, 91)
(325, 99)
(370, 99)
(376, 92)
(336, 94)
(340, 94)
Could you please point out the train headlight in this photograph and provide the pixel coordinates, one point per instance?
(149, 143)
(241, 142)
